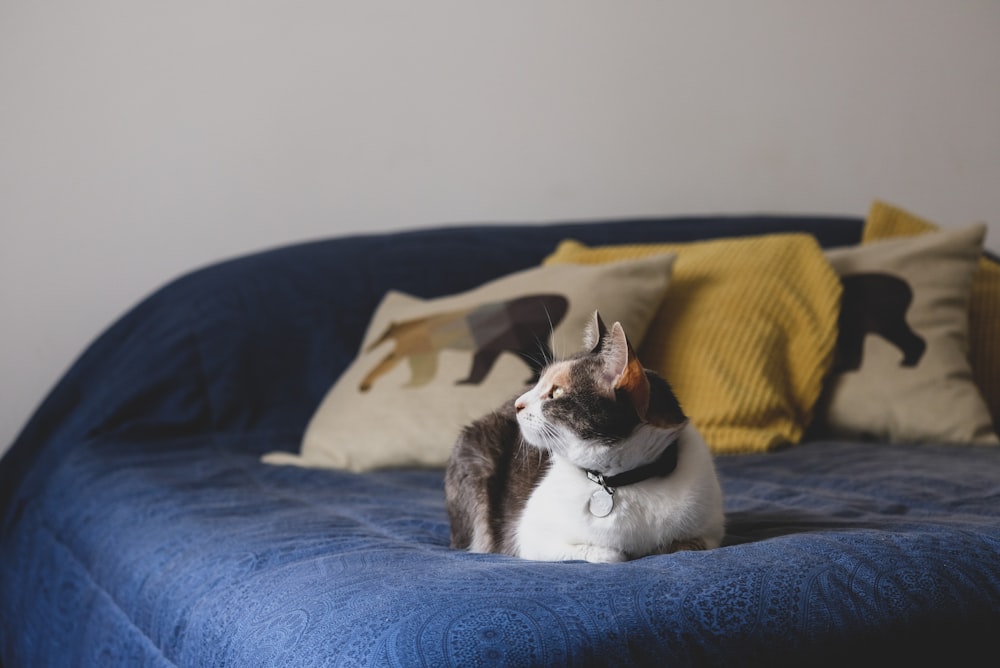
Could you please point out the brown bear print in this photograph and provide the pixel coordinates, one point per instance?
(875, 303)
(521, 326)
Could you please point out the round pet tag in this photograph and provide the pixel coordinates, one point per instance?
(601, 503)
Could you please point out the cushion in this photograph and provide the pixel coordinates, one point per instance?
(886, 221)
(902, 372)
(426, 368)
(745, 334)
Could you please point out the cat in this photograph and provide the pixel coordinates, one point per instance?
(595, 462)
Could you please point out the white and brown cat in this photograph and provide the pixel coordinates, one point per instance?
(596, 462)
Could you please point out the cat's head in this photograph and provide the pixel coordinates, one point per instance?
(590, 407)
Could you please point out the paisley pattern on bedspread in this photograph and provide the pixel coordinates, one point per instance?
(193, 553)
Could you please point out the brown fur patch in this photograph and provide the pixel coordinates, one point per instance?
(557, 375)
(489, 478)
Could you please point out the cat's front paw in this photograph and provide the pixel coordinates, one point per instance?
(600, 555)
(572, 552)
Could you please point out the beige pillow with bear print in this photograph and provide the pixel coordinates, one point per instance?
(902, 372)
(427, 368)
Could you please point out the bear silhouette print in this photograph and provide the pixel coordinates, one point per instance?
(520, 326)
(875, 303)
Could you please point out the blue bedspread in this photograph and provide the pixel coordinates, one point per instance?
(191, 552)
(138, 526)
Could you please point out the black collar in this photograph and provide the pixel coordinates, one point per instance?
(663, 465)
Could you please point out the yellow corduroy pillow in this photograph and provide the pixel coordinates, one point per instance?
(886, 221)
(745, 334)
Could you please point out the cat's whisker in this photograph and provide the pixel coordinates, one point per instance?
(552, 331)
(553, 439)
(545, 357)
(524, 451)
(539, 361)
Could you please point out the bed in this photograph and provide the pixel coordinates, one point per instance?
(143, 522)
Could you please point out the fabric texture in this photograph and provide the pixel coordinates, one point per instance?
(744, 336)
(887, 221)
(427, 368)
(190, 552)
(902, 371)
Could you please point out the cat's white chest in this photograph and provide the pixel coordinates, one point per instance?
(570, 517)
(557, 523)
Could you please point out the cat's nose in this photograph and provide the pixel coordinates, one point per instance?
(519, 405)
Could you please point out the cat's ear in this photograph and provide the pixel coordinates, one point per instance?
(622, 365)
(594, 334)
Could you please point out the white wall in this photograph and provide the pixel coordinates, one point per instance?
(141, 139)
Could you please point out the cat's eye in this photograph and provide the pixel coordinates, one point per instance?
(555, 392)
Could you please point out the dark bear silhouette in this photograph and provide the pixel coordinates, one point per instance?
(875, 303)
(521, 326)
